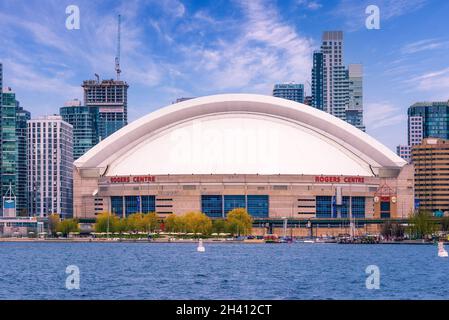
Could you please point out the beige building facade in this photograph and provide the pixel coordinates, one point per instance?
(277, 158)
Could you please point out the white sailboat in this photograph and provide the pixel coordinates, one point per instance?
(441, 251)
(200, 246)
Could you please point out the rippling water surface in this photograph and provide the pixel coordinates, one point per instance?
(224, 271)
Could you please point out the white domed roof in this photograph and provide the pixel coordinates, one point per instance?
(242, 134)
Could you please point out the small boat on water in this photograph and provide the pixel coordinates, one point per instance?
(200, 246)
(254, 239)
(271, 238)
(441, 251)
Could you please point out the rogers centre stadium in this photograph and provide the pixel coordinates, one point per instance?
(279, 159)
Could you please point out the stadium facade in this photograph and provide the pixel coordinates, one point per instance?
(278, 158)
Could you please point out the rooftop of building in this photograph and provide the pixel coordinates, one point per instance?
(430, 103)
(289, 85)
(72, 103)
(109, 82)
(268, 135)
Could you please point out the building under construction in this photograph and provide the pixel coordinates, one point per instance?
(110, 99)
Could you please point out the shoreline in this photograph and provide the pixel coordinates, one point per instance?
(193, 241)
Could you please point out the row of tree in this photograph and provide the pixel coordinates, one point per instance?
(64, 227)
(137, 222)
(237, 222)
(422, 224)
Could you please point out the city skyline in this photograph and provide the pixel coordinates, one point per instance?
(183, 49)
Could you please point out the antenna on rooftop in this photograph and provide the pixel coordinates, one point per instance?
(117, 57)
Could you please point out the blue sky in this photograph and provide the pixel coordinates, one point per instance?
(177, 48)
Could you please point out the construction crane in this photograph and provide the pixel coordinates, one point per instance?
(117, 57)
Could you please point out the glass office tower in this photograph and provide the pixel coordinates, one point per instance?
(290, 91)
(85, 126)
(428, 120)
(13, 143)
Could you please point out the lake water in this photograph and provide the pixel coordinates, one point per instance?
(224, 271)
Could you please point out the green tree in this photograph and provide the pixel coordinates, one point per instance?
(53, 222)
(151, 222)
(170, 223)
(239, 222)
(445, 224)
(135, 222)
(197, 222)
(181, 223)
(422, 224)
(101, 224)
(68, 225)
(121, 225)
(219, 226)
(391, 229)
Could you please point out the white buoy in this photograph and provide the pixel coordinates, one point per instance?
(441, 251)
(200, 246)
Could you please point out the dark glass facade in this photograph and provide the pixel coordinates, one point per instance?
(148, 204)
(85, 127)
(435, 119)
(326, 207)
(258, 206)
(212, 206)
(117, 205)
(218, 206)
(317, 80)
(358, 207)
(13, 151)
(233, 201)
(385, 209)
(132, 204)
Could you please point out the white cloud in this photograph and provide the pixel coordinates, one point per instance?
(25, 78)
(174, 8)
(382, 114)
(266, 50)
(424, 45)
(434, 81)
(309, 4)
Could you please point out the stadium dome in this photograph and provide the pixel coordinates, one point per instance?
(240, 134)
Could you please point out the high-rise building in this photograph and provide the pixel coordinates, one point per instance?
(336, 89)
(317, 80)
(50, 163)
(290, 91)
(428, 120)
(85, 126)
(22, 117)
(13, 167)
(1, 82)
(405, 152)
(110, 97)
(334, 73)
(430, 160)
(354, 107)
(308, 100)
(415, 130)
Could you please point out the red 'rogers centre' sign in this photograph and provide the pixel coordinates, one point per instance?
(337, 179)
(135, 179)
